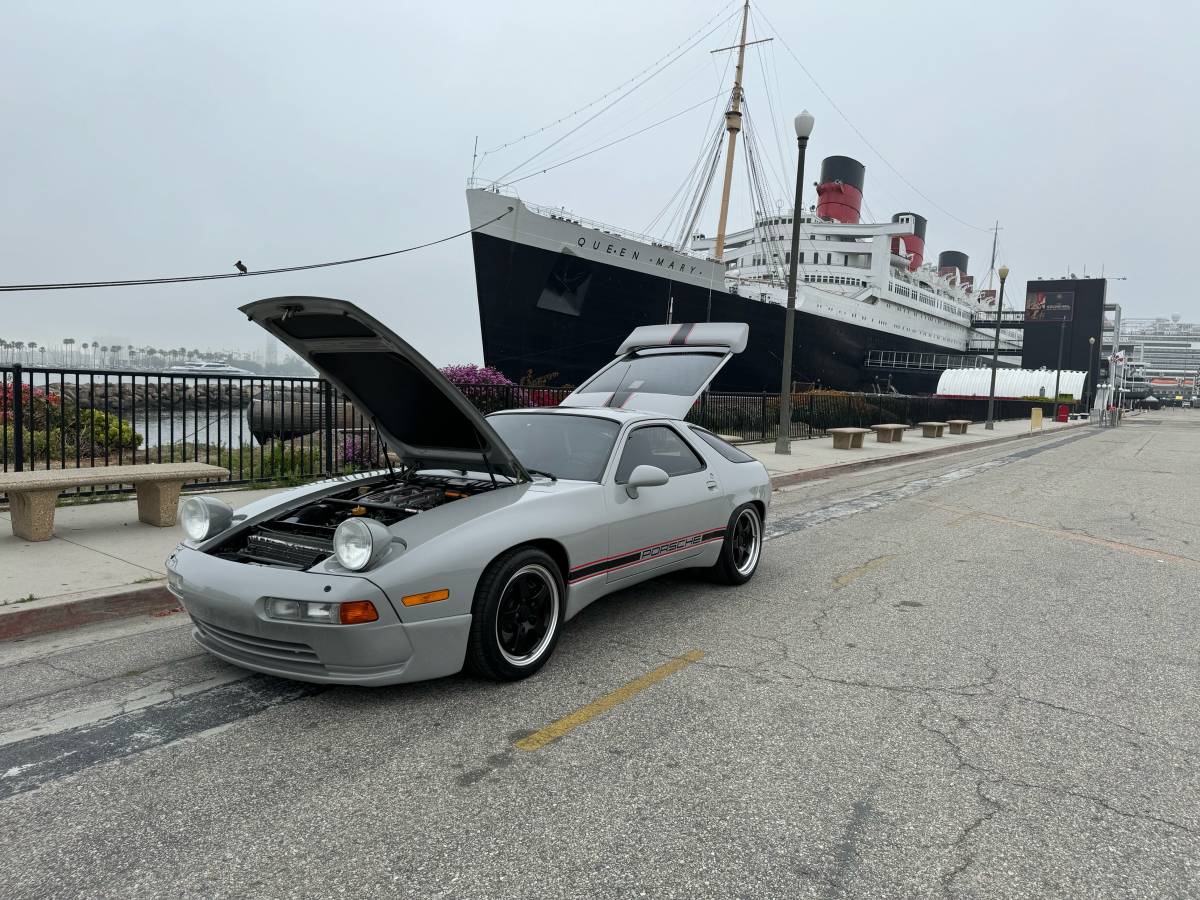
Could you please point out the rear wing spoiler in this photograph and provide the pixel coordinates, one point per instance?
(683, 361)
(730, 336)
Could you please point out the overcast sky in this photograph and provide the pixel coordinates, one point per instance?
(147, 139)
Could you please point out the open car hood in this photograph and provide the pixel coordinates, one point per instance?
(662, 369)
(420, 416)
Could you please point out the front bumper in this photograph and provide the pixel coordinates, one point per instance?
(226, 601)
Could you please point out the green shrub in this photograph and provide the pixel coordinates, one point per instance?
(36, 443)
(97, 433)
(100, 431)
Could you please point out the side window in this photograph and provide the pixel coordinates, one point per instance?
(730, 452)
(657, 445)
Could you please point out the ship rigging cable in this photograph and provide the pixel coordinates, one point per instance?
(724, 11)
(134, 282)
(608, 106)
(710, 150)
(862, 136)
(617, 141)
(571, 150)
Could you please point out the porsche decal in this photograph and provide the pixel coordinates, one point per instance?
(633, 557)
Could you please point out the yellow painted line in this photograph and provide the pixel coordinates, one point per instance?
(585, 714)
(858, 572)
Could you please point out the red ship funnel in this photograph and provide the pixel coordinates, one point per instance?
(952, 262)
(914, 241)
(840, 190)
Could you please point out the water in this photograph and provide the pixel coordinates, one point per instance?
(196, 428)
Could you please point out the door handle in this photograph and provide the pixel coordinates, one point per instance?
(712, 485)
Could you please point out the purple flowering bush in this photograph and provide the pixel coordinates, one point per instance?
(471, 374)
(489, 389)
(359, 453)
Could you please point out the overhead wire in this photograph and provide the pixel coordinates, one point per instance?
(182, 279)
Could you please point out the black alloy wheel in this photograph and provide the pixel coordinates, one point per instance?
(516, 616)
(527, 613)
(742, 547)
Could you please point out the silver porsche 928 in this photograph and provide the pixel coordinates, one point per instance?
(485, 535)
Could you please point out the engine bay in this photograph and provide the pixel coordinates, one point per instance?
(301, 537)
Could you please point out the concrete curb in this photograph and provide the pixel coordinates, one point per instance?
(822, 472)
(86, 611)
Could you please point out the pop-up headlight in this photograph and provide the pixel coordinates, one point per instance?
(359, 543)
(202, 517)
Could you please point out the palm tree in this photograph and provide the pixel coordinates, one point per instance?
(68, 343)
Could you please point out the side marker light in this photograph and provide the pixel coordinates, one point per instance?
(427, 597)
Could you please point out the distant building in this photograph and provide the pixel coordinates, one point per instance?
(1163, 348)
(1061, 315)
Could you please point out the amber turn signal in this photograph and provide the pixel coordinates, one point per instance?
(427, 597)
(356, 612)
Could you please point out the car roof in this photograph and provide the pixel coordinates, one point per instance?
(596, 412)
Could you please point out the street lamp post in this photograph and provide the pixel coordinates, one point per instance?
(783, 436)
(991, 419)
(1062, 330)
(1091, 380)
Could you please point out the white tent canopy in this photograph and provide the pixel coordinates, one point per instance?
(1010, 383)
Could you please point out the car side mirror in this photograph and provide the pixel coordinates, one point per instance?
(645, 476)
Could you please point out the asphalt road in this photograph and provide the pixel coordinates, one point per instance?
(974, 676)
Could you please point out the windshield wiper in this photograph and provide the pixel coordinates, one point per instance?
(549, 475)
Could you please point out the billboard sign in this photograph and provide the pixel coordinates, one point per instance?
(1049, 306)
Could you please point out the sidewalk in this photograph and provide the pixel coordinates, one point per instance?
(102, 563)
(816, 458)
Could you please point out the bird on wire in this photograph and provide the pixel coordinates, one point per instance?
(241, 267)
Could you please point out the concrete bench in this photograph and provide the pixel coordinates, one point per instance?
(958, 426)
(848, 438)
(933, 429)
(32, 495)
(886, 434)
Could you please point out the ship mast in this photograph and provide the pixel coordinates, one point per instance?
(733, 124)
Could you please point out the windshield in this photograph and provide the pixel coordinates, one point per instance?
(657, 372)
(565, 446)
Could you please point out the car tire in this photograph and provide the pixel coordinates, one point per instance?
(742, 548)
(517, 615)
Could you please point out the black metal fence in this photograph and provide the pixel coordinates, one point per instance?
(268, 429)
(755, 417)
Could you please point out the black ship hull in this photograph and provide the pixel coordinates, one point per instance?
(543, 312)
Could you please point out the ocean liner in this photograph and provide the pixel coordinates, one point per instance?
(558, 293)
